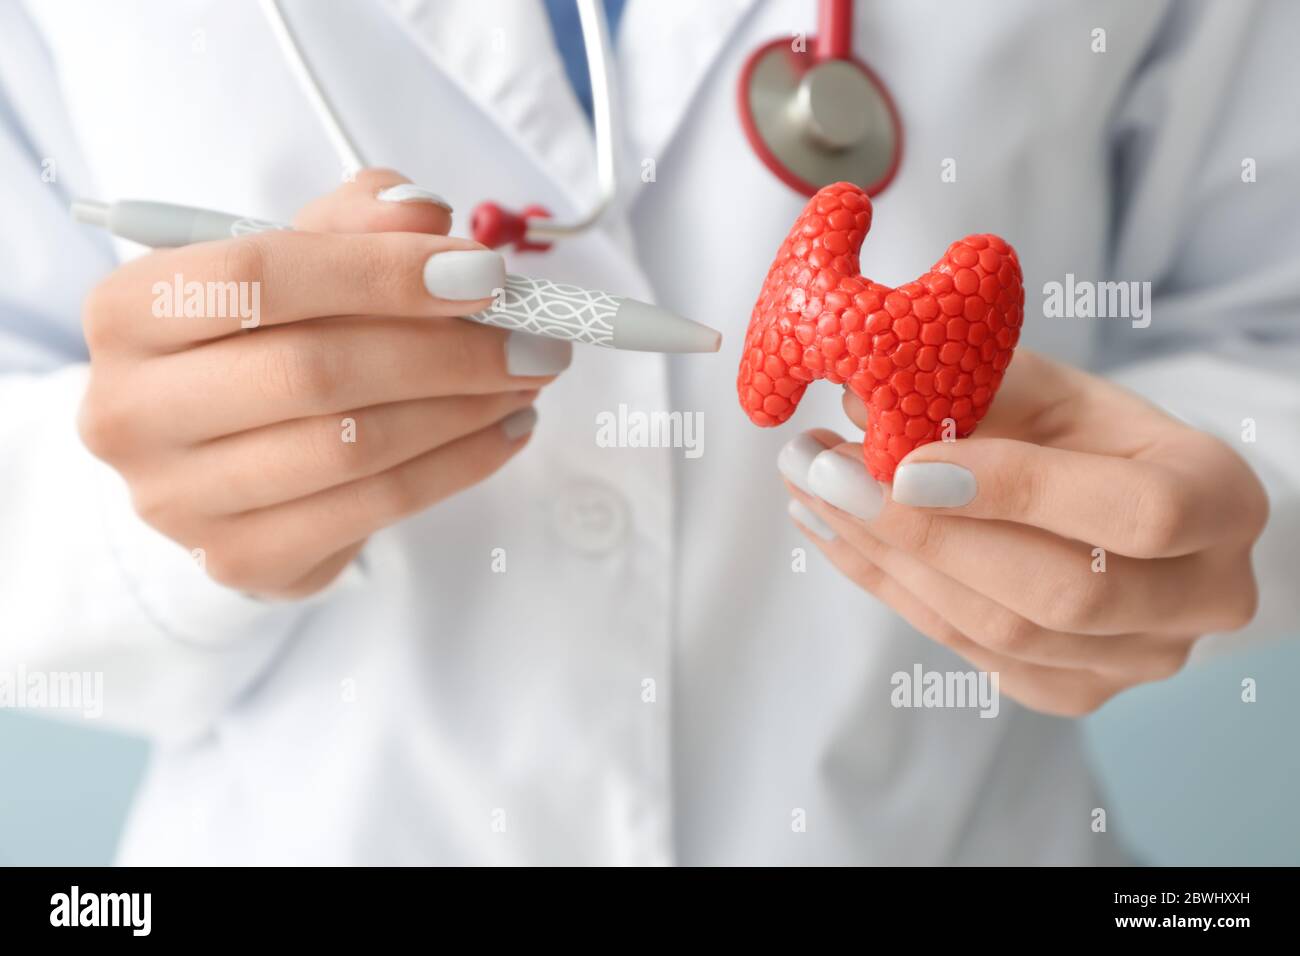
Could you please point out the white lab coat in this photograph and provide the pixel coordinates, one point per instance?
(428, 709)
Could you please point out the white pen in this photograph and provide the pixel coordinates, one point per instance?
(552, 309)
(164, 225)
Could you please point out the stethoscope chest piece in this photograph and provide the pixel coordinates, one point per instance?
(819, 116)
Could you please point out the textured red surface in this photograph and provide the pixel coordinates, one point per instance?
(930, 351)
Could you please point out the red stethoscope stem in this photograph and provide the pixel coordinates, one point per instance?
(495, 226)
(834, 30)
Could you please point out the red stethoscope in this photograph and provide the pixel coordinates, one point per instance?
(813, 112)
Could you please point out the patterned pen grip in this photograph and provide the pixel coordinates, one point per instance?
(554, 309)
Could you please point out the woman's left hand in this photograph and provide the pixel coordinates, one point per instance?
(1078, 543)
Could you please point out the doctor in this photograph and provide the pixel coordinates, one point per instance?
(476, 635)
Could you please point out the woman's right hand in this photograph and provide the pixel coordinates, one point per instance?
(342, 398)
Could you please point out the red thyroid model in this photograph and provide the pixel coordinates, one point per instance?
(924, 356)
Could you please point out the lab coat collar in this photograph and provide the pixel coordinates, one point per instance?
(514, 72)
(503, 57)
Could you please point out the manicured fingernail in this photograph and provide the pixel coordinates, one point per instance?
(465, 274)
(933, 484)
(409, 192)
(801, 513)
(528, 354)
(843, 482)
(520, 423)
(796, 458)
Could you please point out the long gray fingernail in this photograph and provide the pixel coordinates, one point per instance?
(520, 423)
(934, 484)
(801, 513)
(844, 482)
(796, 458)
(409, 192)
(465, 274)
(528, 354)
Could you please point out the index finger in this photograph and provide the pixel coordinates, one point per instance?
(377, 200)
(1134, 507)
(173, 298)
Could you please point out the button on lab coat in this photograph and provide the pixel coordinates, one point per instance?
(608, 655)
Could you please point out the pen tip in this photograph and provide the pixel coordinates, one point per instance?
(642, 327)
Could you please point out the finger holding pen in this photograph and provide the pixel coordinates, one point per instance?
(377, 200)
(519, 303)
(285, 277)
(334, 365)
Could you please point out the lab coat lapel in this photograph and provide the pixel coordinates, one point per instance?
(667, 49)
(504, 59)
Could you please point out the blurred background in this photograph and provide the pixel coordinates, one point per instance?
(1193, 775)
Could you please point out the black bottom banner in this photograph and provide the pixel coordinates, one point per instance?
(333, 906)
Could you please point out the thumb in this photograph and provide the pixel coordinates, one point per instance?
(377, 200)
(855, 408)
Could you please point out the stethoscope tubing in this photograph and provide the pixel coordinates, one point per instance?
(345, 147)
